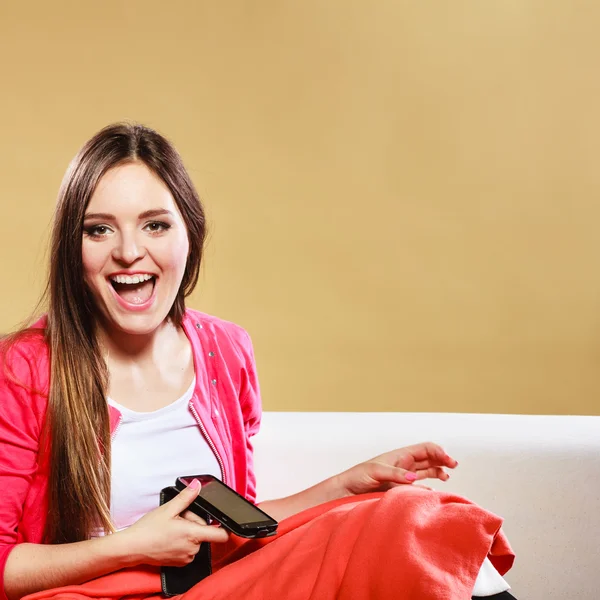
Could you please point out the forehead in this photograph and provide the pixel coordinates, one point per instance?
(130, 188)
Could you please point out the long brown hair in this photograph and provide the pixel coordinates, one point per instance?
(77, 423)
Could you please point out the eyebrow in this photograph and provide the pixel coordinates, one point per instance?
(154, 212)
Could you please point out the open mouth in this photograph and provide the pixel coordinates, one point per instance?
(134, 289)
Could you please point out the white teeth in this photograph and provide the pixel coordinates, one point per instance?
(132, 279)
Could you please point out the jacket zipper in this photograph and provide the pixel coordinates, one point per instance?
(112, 435)
(210, 442)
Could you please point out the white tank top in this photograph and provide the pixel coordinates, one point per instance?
(149, 451)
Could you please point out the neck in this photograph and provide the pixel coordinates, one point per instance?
(125, 347)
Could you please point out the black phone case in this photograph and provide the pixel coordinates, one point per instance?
(178, 580)
(213, 513)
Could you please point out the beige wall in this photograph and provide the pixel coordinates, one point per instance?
(404, 196)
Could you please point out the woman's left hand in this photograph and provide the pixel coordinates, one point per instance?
(402, 466)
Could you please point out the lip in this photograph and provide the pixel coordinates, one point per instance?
(128, 305)
(131, 273)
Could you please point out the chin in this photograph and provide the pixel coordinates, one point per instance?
(141, 323)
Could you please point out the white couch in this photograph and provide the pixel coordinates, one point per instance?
(540, 473)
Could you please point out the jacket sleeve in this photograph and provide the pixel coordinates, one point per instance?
(20, 427)
(251, 405)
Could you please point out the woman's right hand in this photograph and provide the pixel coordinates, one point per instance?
(170, 535)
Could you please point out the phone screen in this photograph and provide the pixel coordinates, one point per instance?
(227, 501)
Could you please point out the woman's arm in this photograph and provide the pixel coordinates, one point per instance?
(398, 467)
(161, 537)
(34, 567)
(280, 509)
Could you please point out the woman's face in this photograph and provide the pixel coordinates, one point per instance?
(135, 248)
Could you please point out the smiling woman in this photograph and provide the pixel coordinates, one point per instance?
(133, 262)
(120, 389)
(134, 211)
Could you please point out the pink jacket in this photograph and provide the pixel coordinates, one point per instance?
(226, 405)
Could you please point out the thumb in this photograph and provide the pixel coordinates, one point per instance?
(389, 473)
(178, 504)
(405, 476)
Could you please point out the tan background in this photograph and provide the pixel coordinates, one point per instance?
(404, 196)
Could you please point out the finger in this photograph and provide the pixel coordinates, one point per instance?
(432, 453)
(214, 534)
(383, 473)
(420, 465)
(418, 456)
(190, 516)
(178, 504)
(425, 464)
(433, 473)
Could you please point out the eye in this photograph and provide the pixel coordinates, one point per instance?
(97, 231)
(157, 227)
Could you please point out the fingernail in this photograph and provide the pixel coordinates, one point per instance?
(194, 484)
(410, 477)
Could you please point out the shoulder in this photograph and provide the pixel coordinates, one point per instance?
(223, 330)
(25, 354)
(233, 345)
(25, 370)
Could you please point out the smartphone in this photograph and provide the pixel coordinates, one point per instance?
(226, 506)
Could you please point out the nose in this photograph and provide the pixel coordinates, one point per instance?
(128, 248)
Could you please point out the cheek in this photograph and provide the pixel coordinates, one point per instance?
(175, 255)
(92, 260)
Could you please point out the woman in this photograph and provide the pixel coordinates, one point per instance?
(120, 389)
